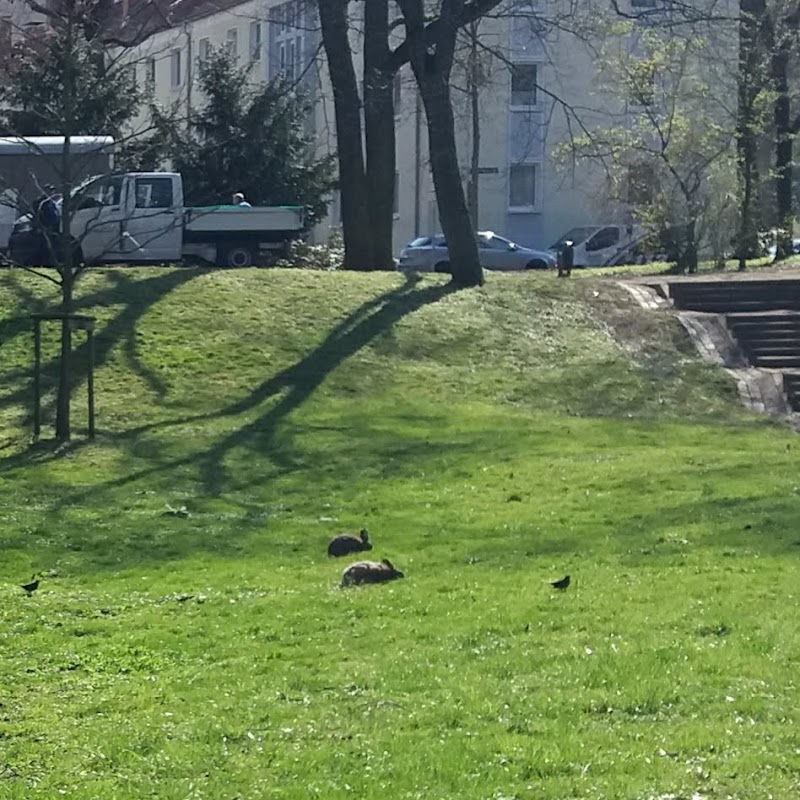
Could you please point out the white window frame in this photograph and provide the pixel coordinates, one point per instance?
(204, 49)
(537, 182)
(292, 60)
(232, 43)
(175, 69)
(256, 40)
(150, 74)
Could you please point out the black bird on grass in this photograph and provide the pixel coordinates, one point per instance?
(31, 587)
(562, 584)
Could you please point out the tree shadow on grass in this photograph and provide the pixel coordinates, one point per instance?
(294, 385)
(135, 297)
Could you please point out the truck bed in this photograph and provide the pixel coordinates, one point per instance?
(231, 220)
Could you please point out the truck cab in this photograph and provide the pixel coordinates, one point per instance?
(136, 217)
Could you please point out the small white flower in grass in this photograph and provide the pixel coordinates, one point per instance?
(588, 651)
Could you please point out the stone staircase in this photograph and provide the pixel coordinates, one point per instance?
(762, 315)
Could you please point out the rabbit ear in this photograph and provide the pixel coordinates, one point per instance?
(388, 563)
(364, 535)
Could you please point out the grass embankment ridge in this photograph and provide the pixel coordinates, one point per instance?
(490, 440)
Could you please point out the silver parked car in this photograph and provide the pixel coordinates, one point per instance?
(429, 254)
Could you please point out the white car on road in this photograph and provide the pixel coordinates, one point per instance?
(429, 254)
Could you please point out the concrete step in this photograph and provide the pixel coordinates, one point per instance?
(781, 361)
(761, 329)
(762, 315)
(766, 349)
(736, 296)
(791, 387)
(725, 306)
(759, 354)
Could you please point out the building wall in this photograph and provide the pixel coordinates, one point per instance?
(526, 192)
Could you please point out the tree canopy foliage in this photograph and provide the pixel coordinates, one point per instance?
(243, 138)
(67, 76)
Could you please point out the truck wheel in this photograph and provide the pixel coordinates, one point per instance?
(239, 256)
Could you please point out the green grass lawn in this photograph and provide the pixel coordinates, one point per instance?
(491, 440)
(704, 268)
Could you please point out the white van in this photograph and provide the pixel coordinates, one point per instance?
(599, 245)
(8, 213)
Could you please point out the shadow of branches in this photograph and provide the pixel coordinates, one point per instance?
(295, 383)
(135, 296)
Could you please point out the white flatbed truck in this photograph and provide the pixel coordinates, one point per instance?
(139, 218)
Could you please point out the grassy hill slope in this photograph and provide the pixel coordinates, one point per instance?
(490, 440)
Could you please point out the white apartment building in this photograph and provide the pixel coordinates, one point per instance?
(534, 78)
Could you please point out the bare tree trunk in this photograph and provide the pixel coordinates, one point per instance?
(784, 139)
(751, 15)
(64, 254)
(456, 224)
(432, 61)
(63, 420)
(473, 187)
(352, 175)
(379, 131)
(690, 246)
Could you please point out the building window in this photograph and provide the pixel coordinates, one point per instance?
(641, 83)
(522, 186)
(291, 62)
(287, 40)
(150, 74)
(396, 195)
(175, 76)
(204, 49)
(232, 44)
(397, 91)
(643, 3)
(255, 41)
(523, 84)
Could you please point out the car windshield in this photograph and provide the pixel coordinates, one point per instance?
(576, 236)
(422, 241)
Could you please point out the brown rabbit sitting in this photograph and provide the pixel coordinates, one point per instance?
(349, 543)
(370, 572)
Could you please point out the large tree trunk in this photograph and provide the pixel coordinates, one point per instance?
(473, 187)
(352, 176)
(752, 13)
(784, 139)
(453, 213)
(432, 61)
(379, 131)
